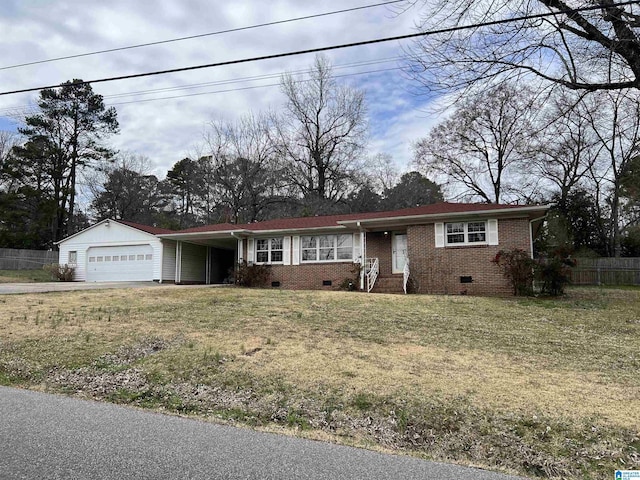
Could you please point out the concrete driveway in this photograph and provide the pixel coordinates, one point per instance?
(8, 288)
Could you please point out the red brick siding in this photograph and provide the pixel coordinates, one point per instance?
(438, 270)
(435, 270)
(309, 276)
(379, 246)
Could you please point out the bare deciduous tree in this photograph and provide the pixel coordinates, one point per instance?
(587, 50)
(565, 148)
(479, 149)
(322, 135)
(244, 176)
(614, 118)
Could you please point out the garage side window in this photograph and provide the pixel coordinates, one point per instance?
(73, 257)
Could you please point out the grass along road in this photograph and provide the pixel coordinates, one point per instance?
(544, 388)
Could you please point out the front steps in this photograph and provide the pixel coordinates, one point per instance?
(388, 284)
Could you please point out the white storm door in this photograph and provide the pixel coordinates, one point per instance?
(399, 252)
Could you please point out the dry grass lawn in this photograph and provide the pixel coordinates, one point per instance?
(541, 387)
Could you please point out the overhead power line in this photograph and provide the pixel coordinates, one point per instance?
(251, 87)
(228, 81)
(329, 48)
(191, 37)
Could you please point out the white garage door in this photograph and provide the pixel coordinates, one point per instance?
(127, 263)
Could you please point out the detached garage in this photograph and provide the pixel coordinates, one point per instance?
(119, 251)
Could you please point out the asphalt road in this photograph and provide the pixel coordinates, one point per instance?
(52, 437)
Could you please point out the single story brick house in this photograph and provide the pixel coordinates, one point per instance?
(444, 248)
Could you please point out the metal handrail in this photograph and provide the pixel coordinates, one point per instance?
(405, 275)
(372, 270)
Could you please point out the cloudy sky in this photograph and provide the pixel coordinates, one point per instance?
(164, 117)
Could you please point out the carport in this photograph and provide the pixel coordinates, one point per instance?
(204, 257)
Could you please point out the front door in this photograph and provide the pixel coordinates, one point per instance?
(399, 252)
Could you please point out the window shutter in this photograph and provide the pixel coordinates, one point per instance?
(240, 252)
(286, 250)
(492, 230)
(356, 248)
(439, 232)
(250, 250)
(296, 250)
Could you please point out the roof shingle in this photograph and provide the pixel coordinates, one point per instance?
(295, 223)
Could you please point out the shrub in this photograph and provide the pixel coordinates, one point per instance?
(518, 267)
(63, 273)
(554, 272)
(352, 282)
(252, 275)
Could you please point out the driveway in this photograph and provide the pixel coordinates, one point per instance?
(7, 288)
(54, 437)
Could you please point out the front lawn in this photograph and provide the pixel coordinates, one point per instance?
(539, 387)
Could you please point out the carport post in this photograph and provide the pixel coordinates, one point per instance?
(161, 259)
(208, 268)
(178, 262)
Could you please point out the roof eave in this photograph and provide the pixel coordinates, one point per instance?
(207, 234)
(431, 217)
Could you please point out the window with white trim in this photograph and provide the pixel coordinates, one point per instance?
(73, 257)
(269, 250)
(465, 233)
(326, 248)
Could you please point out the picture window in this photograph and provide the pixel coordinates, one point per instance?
(326, 248)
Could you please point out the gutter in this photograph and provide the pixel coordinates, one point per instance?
(437, 216)
(531, 230)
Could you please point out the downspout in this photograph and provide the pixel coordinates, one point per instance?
(363, 255)
(531, 231)
(239, 255)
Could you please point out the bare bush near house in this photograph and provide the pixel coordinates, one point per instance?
(63, 273)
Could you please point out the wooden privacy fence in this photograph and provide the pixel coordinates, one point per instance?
(606, 271)
(15, 259)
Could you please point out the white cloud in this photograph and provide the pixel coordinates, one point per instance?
(166, 130)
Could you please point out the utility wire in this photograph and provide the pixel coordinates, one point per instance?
(328, 48)
(191, 37)
(265, 76)
(252, 87)
(268, 76)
